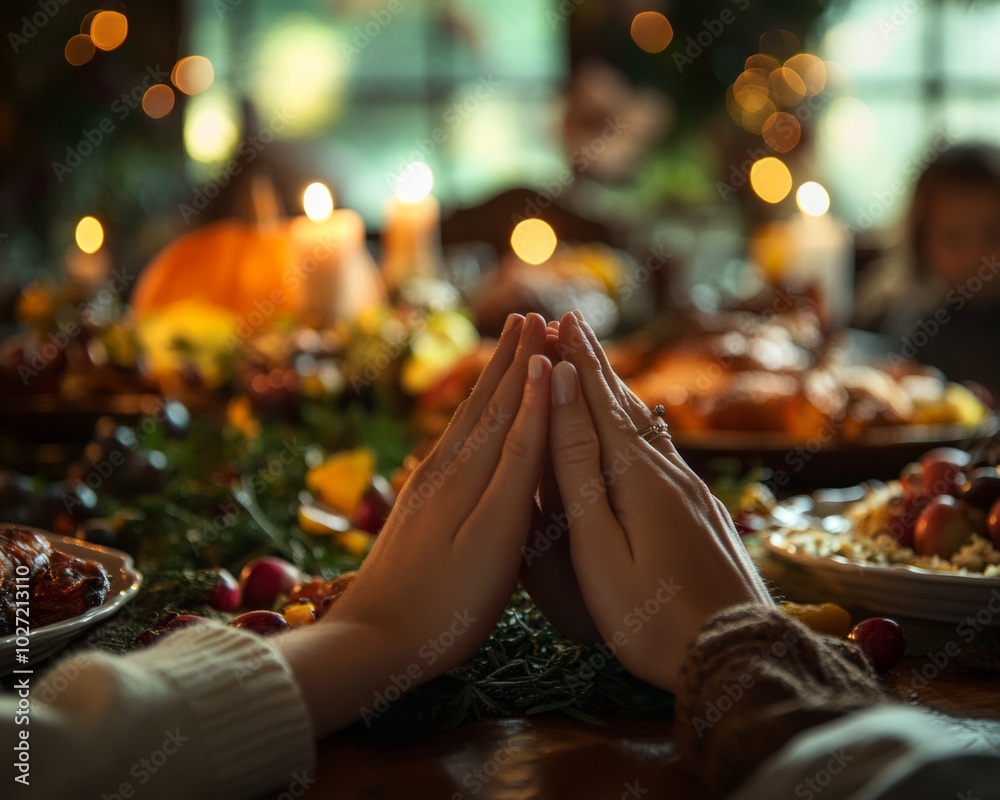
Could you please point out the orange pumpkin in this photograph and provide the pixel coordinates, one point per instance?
(229, 264)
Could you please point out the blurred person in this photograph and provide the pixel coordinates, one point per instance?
(938, 296)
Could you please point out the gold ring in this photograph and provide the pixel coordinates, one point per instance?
(659, 410)
(653, 431)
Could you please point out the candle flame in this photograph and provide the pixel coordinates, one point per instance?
(89, 234)
(414, 183)
(533, 241)
(812, 199)
(317, 202)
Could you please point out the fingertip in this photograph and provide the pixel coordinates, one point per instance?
(564, 383)
(538, 366)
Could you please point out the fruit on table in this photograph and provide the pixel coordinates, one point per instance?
(244, 269)
(826, 618)
(881, 640)
(264, 623)
(322, 594)
(942, 528)
(993, 523)
(942, 470)
(373, 509)
(300, 614)
(342, 480)
(264, 579)
(226, 595)
(983, 488)
(183, 621)
(903, 526)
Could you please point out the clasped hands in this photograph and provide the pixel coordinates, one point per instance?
(541, 477)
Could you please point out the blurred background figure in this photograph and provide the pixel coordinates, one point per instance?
(938, 292)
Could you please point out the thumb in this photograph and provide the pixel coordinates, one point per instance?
(576, 460)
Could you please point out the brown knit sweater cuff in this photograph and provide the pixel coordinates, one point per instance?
(755, 678)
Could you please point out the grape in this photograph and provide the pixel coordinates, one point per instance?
(881, 640)
(983, 488)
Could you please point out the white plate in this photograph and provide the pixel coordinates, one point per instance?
(891, 589)
(44, 642)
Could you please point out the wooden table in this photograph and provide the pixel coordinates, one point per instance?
(557, 758)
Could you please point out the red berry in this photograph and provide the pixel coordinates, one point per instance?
(881, 640)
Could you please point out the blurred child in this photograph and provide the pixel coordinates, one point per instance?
(939, 296)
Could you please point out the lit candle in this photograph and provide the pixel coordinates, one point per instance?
(821, 253)
(87, 264)
(338, 277)
(411, 238)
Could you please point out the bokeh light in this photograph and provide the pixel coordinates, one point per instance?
(812, 199)
(652, 31)
(786, 86)
(317, 202)
(210, 130)
(754, 121)
(762, 61)
(108, 29)
(770, 179)
(193, 74)
(89, 234)
(781, 132)
(158, 101)
(80, 49)
(414, 183)
(811, 70)
(533, 241)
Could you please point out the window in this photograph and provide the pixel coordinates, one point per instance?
(470, 87)
(921, 74)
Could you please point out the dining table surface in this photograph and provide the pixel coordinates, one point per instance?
(555, 757)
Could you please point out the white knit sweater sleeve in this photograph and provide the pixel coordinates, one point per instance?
(209, 712)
